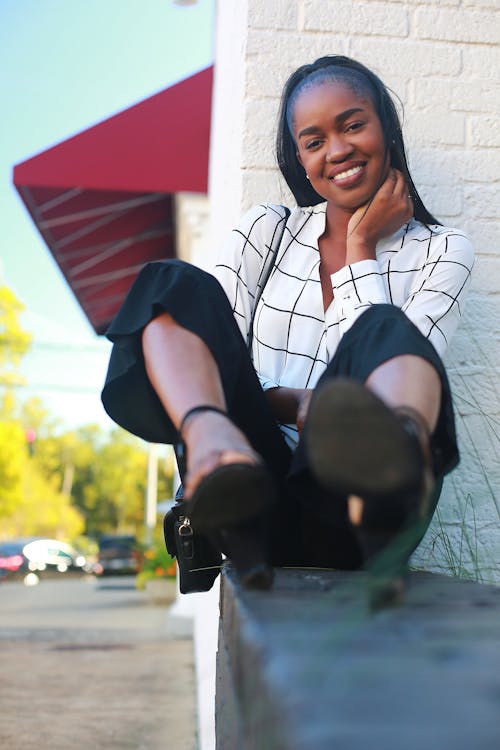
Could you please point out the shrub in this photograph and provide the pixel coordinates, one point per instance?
(157, 563)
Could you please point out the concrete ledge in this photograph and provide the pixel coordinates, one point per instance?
(307, 666)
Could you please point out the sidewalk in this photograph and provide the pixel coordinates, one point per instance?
(115, 681)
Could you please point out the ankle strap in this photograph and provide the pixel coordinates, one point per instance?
(197, 410)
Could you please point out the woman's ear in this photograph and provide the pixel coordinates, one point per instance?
(298, 157)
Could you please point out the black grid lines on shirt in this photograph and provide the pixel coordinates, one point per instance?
(292, 315)
(439, 262)
(292, 344)
(246, 244)
(352, 280)
(279, 322)
(454, 300)
(294, 239)
(273, 249)
(389, 285)
(288, 352)
(316, 359)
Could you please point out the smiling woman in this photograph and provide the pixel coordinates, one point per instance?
(326, 443)
(340, 143)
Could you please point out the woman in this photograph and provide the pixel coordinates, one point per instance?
(342, 445)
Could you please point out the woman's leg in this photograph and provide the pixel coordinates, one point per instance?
(411, 386)
(384, 400)
(410, 381)
(184, 374)
(386, 353)
(177, 346)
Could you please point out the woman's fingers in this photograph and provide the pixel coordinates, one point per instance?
(402, 191)
(399, 193)
(393, 184)
(389, 209)
(303, 409)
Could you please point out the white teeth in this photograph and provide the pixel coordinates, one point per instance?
(347, 173)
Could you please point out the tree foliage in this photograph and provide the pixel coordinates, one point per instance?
(12, 461)
(105, 474)
(14, 340)
(42, 510)
(63, 484)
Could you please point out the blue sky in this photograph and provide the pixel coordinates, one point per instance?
(65, 65)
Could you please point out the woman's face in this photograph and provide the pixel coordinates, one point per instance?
(340, 143)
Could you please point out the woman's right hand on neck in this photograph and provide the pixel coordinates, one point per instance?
(389, 209)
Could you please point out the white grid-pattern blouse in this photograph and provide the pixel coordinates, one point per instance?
(424, 271)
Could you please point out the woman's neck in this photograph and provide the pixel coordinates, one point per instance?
(337, 220)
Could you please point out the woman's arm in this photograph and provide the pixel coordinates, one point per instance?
(359, 284)
(437, 295)
(289, 405)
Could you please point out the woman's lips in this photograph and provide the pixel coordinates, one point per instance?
(347, 176)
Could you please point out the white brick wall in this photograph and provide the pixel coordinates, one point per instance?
(442, 58)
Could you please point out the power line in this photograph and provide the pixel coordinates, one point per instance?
(69, 347)
(55, 387)
(59, 345)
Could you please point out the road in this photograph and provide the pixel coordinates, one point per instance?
(88, 664)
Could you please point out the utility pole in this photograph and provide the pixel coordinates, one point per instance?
(151, 493)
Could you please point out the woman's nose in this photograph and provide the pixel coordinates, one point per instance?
(338, 148)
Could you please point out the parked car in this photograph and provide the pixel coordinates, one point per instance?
(118, 554)
(44, 557)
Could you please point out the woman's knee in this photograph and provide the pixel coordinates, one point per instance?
(183, 279)
(380, 313)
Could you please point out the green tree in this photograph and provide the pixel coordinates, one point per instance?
(69, 482)
(14, 343)
(31, 503)
(111, 491)
(105, 475)
(12, 461)
(14, 340)
(42, 509)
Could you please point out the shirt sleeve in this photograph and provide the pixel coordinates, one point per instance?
(437, 296)
(355, 288)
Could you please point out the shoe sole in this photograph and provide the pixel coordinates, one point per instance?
(229, 496)
(356, 445)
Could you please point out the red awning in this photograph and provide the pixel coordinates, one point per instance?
(103, 199)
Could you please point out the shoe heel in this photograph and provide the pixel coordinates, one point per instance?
(386, 553)
(246, 549)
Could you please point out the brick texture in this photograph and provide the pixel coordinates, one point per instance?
(456, 25)
(358, 18)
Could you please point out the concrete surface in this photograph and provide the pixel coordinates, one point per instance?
(307, 665)
(88, 664)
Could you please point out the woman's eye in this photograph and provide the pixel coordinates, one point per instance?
(354, 126)
(313, 144)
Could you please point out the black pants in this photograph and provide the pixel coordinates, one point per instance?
(308, 526)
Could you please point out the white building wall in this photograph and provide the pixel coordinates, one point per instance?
(442, 58)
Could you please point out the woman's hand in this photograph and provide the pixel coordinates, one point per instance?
(290, 405)
(303, 408)
(388, 210)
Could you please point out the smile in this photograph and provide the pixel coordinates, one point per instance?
(347, 173)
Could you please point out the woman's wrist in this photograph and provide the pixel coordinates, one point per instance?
(284, 403)
(359, 249)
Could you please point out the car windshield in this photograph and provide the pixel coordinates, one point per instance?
(119, 542)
